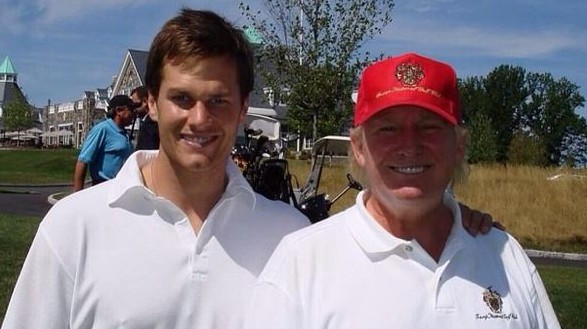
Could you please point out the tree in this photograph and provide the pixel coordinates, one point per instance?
(506, 92)
(483, 145)
(17, 115)
(526, 149)
(313, 48)
(550, 114)
(531, 116)
(574, 153)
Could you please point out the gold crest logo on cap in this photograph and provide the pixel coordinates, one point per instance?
(493, 300)
(409, 74)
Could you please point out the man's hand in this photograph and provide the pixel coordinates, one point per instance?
(475, 221)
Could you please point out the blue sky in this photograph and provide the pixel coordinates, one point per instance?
(62, 47)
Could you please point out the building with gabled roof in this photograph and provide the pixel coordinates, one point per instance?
(79, 116)
(132, 72)
(10, 91)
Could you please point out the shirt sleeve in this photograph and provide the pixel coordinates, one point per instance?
(91, 144)
(543, 307)
(43, 292)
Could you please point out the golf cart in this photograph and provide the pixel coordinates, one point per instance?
(315, 205)
(259, 154)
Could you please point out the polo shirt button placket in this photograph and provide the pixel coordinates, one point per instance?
(201, 265)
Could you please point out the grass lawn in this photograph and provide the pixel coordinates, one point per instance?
(567, 286)
(37, 166)
(16, 235)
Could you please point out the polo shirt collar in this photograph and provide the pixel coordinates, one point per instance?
(128, 183)
(373, 238)
(368, 233)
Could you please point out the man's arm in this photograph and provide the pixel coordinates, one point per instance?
(43, 293)
(79, 175)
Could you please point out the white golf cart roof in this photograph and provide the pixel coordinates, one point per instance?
(332, 145)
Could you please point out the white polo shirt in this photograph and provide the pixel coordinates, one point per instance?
(117, 256)
(347, 272)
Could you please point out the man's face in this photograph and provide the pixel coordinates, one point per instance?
(408, 154)
(198, 109)
(144, 108)
(126, 115)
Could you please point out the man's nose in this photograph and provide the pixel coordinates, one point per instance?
(199, 114)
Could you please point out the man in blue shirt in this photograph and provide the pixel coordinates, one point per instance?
(107, 145)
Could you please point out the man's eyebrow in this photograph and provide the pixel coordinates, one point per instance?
(177, 90)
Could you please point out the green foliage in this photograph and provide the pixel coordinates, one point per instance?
(527, 150)
(312, 56)
(37, 166)
(483, 147)
(551, 113)
(530, 116)
(17, 115)
(505, 93)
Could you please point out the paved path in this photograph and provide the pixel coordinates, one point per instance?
(27, 200)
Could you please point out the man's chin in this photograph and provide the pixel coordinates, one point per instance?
(409, 193)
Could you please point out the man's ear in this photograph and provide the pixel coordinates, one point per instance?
(153, 110)
(244, 110)
(357, 144)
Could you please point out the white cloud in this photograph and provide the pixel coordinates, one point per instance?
(55, 10)
(499, 43)
(425, 5)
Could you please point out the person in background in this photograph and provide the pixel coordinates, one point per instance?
(399, 258)
(178, 238)
(107, 145)
(148, 137)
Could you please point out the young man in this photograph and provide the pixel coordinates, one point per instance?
(178, 238)
(148, 137)
(400, 258)
(107, 145)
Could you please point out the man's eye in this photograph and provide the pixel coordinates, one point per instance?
(217, 101)
(182, 100)
(389, 128)
(431, 127)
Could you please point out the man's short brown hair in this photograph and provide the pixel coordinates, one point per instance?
(195, 34)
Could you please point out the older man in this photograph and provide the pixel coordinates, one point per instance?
(399, 258)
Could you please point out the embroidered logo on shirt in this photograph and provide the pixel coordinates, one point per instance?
(493, 300)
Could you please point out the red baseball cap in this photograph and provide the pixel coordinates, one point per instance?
(408, 79)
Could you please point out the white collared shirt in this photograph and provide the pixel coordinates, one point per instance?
(348, 272)
(117, 256)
